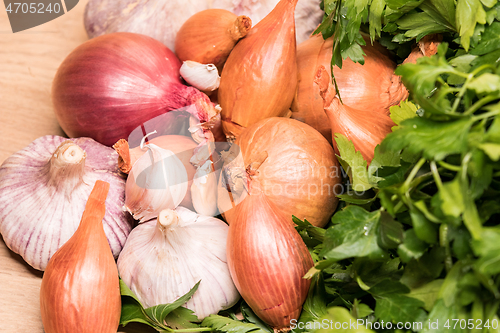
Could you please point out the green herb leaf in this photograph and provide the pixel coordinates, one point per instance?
(431, 138)
(469, 13)
(159, 312)
(354, 234)
(224, 324)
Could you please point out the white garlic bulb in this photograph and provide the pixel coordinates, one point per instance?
(164, 258)
(204, 189)
(204, 77)
(157, 180)
(43, 191)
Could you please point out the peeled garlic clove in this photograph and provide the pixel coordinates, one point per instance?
(204, 190)
(165, 257)
(157, 180)
(204, 77)
(43, 191)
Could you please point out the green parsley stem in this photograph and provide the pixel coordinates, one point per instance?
(435, 174)
(413, 174)
(187, 330)
(480, 103)
(487, 114)
(449, 166)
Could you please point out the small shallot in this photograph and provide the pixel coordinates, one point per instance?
(259, 77)
(293, 164)
(210, 35)
(80, 290)
(268, 259)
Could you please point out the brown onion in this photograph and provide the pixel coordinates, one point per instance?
(112, 84)
(80, 289)
(267, 259)
(210, 35)
(293, 164)
(372, 86)
(365, 128)
(260, 75)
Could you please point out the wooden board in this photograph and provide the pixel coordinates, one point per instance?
(28, 63)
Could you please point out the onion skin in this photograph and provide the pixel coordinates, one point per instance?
(295, 167)
(259, 78)
(365, 128)
(372, 86)
(210, 35)
(267, 259)
(80, 290)
(112, 84)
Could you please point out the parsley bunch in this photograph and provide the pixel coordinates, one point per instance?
(416, 240)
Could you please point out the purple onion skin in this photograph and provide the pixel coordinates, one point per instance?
(114, 83)
(36, 219)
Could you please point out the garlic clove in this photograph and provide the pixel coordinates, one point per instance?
(204, 190)
(165, 257)
(204, 77)
(157, 180)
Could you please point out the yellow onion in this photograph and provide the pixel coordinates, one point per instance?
(209, 36)
(182, 146)
(365, 128)
(372, 86)
(259, 78)
(80, 290)
(293, 164)
(267, 259)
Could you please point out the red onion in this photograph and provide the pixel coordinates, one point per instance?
(112, 84)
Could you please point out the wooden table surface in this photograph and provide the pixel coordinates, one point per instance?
(28, 63)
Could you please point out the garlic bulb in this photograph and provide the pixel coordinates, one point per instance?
(204, 190)
(164, 258)
(43, 191)
(204, 77)
(157, 180)
(163, 19)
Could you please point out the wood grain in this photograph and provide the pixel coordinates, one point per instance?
(28, 63)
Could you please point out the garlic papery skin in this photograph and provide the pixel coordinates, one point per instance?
(43, 191)
(204, 77)
(204, 189)
(165, 257)
(157, 180)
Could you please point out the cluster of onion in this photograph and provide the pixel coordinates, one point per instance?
(277, 167)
